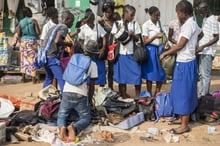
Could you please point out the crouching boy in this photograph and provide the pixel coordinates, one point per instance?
(76, 96)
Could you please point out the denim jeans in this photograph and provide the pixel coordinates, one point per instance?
(205, 68)
(80, 104)
(53, 70)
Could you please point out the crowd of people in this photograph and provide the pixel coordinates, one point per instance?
(187, 41)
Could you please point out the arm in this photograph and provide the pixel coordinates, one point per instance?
(103, 49)
(212, 41)
(170, 36)
(36, 26)
(91, 89)
(93, 2)
(60, 40)
(148, 40)
(175, 48)
(73, 34)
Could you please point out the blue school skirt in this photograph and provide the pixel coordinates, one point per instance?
(151, 68)
(184, 88)
(101, 80)
(127, 70)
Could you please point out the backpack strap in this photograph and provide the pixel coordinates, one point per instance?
(52, 36)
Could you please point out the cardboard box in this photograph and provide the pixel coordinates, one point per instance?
(29, 103)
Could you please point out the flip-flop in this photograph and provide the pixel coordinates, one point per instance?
(173, 131)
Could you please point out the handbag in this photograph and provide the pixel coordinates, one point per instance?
(64, 60)
(168, 65)
(113, 51)
(140, 53)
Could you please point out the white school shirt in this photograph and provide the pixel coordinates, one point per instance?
(209, 27)
(82, 89)
(149, 29)
(189, 30)
(86, 33)
(46, 28)
(132, 26)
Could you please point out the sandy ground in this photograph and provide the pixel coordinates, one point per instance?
(197, 137)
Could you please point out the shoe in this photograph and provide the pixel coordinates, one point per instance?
(174, 131)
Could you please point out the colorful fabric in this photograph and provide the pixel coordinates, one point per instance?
(28, 50)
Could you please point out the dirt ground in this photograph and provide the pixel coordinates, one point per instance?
(197, 137)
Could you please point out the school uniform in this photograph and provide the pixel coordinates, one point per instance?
(184, 84)
(151, 68)
(126, 69)
(87, 34)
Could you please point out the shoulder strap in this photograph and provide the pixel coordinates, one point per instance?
(52, 36)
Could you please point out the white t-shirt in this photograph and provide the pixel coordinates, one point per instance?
(149, 29)
(86, 33)
(82, 89)
(209, 27)
(189, 30)
(132, 27)
(46, 28)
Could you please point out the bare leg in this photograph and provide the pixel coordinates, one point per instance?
(158, 88)
(183, 126)
(23, 77)
(149, 86)
(137, 90)
(122, 91)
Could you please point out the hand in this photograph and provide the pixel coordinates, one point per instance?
(102, 53)
(162, 56)
(159, 35)
(78, 30)
(199, 49)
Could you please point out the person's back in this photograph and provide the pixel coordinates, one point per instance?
(28, 30)
(78, 97)
(52, 13)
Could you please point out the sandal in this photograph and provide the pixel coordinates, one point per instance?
(176, 131)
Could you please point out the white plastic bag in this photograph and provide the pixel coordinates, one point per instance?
(6, 108)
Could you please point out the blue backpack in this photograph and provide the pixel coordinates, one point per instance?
(163, 106)
(76, 70)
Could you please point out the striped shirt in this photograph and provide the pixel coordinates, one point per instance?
(209, 27)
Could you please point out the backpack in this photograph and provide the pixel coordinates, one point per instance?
(145, 103)
(209, 105)
(163, 106)
(49, 108)
(76, 70)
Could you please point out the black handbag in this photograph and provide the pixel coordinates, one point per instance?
(140, 53)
